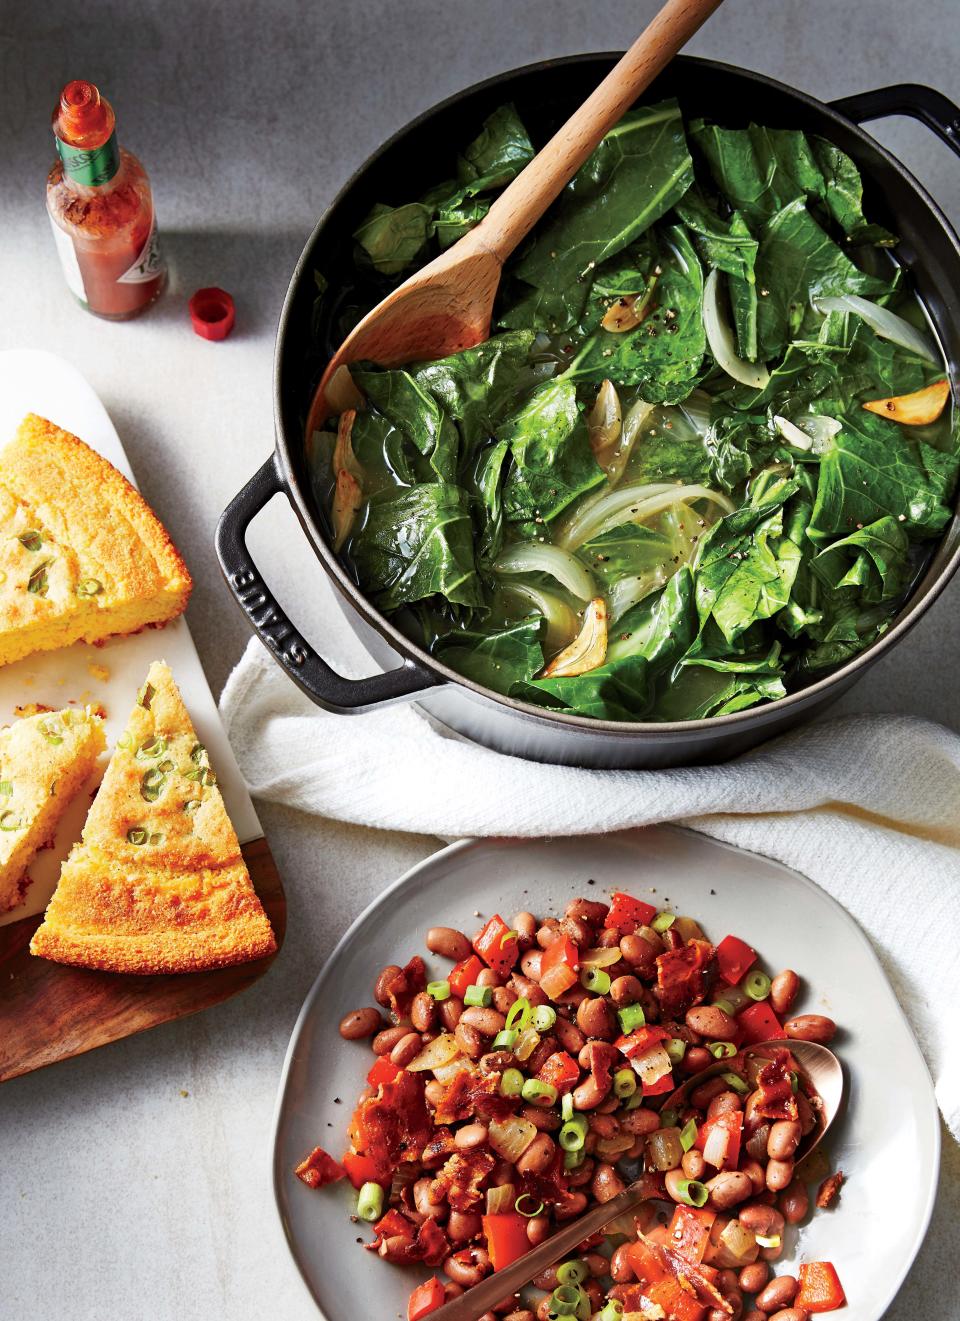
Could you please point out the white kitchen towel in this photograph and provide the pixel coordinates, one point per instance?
(868, 807)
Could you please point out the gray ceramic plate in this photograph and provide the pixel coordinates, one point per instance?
(891, 1117)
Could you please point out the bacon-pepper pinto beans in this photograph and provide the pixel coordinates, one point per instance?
(450, 943)
(811, 1027)
(360, 1023)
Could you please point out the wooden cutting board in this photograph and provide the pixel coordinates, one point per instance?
(49, 1012)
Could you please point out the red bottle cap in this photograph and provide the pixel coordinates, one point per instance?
(212, 313)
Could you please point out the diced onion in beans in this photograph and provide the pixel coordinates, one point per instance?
(739, 1241)
(652, 1066)
(664, 1151)
(500, 1200)
(510, 1137)
(441, 1050)
(601, 957)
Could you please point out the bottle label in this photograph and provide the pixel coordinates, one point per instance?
(149, 263)
(68, 260)
(91, 167)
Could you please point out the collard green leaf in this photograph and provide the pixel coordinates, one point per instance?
(454, 218)
(552, 460)
(417, 542)
(705, 686)
(412, 409)
(393, 236)
(476, 387)
(639, 171)
(874, 561)
(843, 195)
(501, 660)
(726, 245)
(497, 155)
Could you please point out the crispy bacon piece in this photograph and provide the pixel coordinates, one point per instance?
(394, 1125)
(471, 1094)
(829, 1190)
(401, 1241)
(550, 1185)
(681, 982)
(654, 1262)
(440, 1146)
(319, 1169)
(602, 1056)
(776, 1099)
(461, 1178)
(405, 984)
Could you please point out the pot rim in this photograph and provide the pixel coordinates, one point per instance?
(409, 651)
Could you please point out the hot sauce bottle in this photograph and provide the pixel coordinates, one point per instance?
(101, 209)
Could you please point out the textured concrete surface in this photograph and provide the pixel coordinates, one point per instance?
(142, 1170)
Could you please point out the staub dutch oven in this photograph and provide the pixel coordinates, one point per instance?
(544, 95)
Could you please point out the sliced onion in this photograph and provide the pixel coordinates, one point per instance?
(821, 429)
(791, 433)
(740, 1242)
(632, 426)
(446, 1073)
(638, 511)
(664, 1150)
(720, 339)
(510, 1137)
(605, 423)
(884, 322)
(527, 1042)
(562, 623)
(604, 956)
(627, 592)
(584, 523)
(341, 391)
(441, 1050)
(652, 1065)
(500, 1200)
(536, 557)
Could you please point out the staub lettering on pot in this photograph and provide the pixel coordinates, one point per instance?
(272, 625)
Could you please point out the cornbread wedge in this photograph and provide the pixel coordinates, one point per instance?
(82, 556)
(44, 760)
(158, 883)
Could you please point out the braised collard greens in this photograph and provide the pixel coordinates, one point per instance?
(700, 460)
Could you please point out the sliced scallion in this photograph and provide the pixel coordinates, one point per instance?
(566, 1106)
(565, 1300)
(769, 1240)
(10, 821)
(506, 1040)
(663, 922)
(624, 1083)
(735, 1083)
(534, 1209)
(370, 1202)
(478, 996)
(438, 990)
(595, 980)
(757, 985)
(89, 587)
(511, 1082)
(152, 748)
(37, 582)
(145, 696)
(692, 1193)
(631, 1016)
(572, 1272)
(191, 806)
(688, 1134)
(137, 835)
(573, 1134)
(6, 788)
(612, 1311)
(540, 1093)
(30, 540)
(571, 1159)
(52, 730)
(669, 1118)
(676, 1048)
(794, 1081)
(518, 1015)
(721, 1050)
(544, 1017)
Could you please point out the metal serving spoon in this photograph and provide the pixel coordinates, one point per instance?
(446, 306)
(820, 1069)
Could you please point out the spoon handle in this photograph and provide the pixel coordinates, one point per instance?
(520, 206)
(482, 1297)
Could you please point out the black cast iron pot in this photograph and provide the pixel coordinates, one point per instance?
(545, 94)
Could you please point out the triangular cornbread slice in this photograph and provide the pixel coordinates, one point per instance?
(158, 883)
(82, 556)
(44, 760)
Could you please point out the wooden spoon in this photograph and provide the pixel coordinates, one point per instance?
(818, 1066)
(446, 306)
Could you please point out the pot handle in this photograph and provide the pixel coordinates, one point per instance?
(322, 684)
(928, 105)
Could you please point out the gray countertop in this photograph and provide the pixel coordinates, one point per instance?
(142, 1170)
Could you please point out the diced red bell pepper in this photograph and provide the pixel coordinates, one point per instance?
(677, 1303)
(719, 1139)
(498, 945)
(735, 958)
(363, 1169)
(384, 1070)
(559, 967)
(426, 1298)
(464, 974)
(641, 1040)
(561, 1071)
(506, 1236)
(689, 1232)
(759, 1023)
(627, 912)
(660, 1087)
(393, 1225)
(820, 1288)
(648, 1265)
(319, 1169)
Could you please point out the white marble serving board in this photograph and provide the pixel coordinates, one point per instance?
(33, 381)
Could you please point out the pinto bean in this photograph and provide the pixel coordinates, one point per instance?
(423, 1012)
(570, 1206)
(794, 1202)
(463, 1226)
(468, 1267)
(450, 1011)
(470, 1136)
(621, 1271)
(524, 1314)
(605, 1126)
(384, 1042)
(434, 1092)
(695, 1059)
(791, 1314)
(753, 1277)
(428, 1206)
(693, 1164)
(729, 1313)
(384, 980)
(672, 1180)
(723, 1103)
(450, 943)
(595, 1019)
(608, 937)
(701, 1096)
(640, 954)
(729, 1188)
(625, 990)
(579, 931)
(606, 1182)
(528, 989)
(756, 1174)
(711, 1022)
(573, 996)
(360, 1023)
(582, 1175)
(784, 1139)
(406, 1049)
(590, 1093)
(762, 1219)
(548, 932)
(487, 977)
(754, 1315)
(540, 1055)
(530, 964)
(469, 1040)
(811, 1027)
(780, 1292)
(538, 1155)
(487, 1021)
(504, 997)
(569, 1035)
(783, 991)
(547, 1121)
(538, 1229)
(779, 1175)
(640, 1121)
(525, 925)
(547, 1279)
(589, 910)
